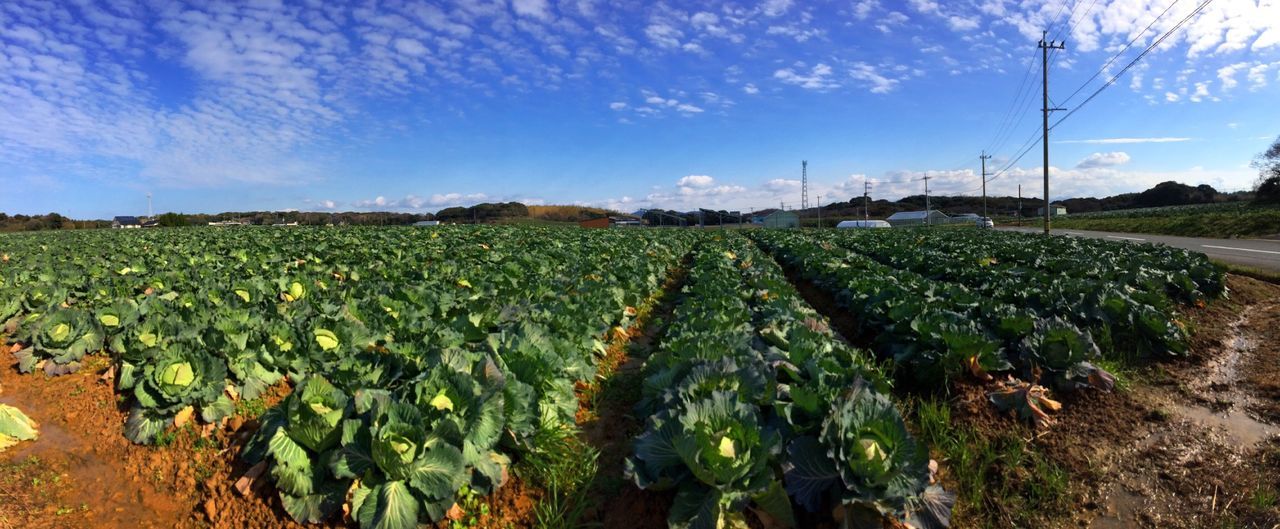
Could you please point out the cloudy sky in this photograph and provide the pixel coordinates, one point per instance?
(413, 106)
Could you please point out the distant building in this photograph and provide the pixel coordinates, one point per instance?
(427, 223)
(126, 222)
(1054, 210)
(966, 216)
(845, 224)
(782, 219)
(611, 222)
(918, 218)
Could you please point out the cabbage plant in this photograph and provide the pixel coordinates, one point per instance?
(63, 338)
(178, 377)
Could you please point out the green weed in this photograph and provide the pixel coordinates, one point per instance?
(1001, 480)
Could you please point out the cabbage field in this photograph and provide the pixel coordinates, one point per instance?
(423, 367)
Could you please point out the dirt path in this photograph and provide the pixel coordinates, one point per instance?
(616, 501)
(1205, 451)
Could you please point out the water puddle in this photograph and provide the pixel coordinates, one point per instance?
(1122, 509)
(1242, 428)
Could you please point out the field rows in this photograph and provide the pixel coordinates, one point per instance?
(425, 364)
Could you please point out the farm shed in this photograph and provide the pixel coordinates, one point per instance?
(917, 218)
(610, 222)
(863, 224)
(1054, 210)
(782, 219)
(126, 222)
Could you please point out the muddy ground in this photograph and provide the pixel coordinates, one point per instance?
(1187, 444)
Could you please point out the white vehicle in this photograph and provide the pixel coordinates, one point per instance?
(985, 223)
(863, 224)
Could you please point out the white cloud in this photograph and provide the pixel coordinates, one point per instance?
(872, 79)
(774, 8)
(538, 9)
(410, 47)
(819, 78)
(1227, 74)
(863, 8)
(696, 180)
(689, 109)
(664, 35)
(617, 105)
(750, 89)
(779, 185)
(1103, 159)
(959, 23)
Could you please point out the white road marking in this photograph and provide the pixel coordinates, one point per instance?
(1239, 249)
(1125, 238)
(1073, 233)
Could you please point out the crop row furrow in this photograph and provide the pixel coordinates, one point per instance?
(753, 401)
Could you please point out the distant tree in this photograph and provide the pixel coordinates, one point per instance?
(172, 220)
(1267, 189)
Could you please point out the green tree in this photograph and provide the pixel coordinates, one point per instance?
(1267, 189)
(172, 220)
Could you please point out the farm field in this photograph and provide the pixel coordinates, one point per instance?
(1223, 221)
(525, 376)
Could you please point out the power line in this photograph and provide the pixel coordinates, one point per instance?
(1144, 53)
(1121, 52)
(1007, 121)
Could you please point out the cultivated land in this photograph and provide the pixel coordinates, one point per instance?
(520, 376)
(1218, 221)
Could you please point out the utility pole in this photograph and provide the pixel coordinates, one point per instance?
(1045, 46)
(1018, 214)
(804, 185)
(984, 157)
(149, 213)
(928, 219)
(819, 211)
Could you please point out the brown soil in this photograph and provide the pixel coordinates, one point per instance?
(1193, 443)
(611, 424)
(84, 470)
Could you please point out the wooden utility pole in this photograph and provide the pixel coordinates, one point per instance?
(928, 219)
(819, 211)
(1045, 46)
(984, 157)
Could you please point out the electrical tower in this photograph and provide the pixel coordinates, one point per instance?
(804, 185)
(1045, 46)
(984, 157)
(866, 195)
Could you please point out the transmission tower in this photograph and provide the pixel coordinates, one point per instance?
(804, 185)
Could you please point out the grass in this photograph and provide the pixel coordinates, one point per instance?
(565, 466)
(1001, 480)
(1249, 271)
(1246, 222)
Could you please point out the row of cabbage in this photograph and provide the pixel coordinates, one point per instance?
(424, 359)
(937, 331)
(1123, 297)
(753, 403)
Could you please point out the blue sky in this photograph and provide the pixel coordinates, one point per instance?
(414, 106)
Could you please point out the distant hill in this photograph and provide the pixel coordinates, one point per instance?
(1163, 194)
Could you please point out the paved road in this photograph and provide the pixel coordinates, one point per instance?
(1257, 253)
